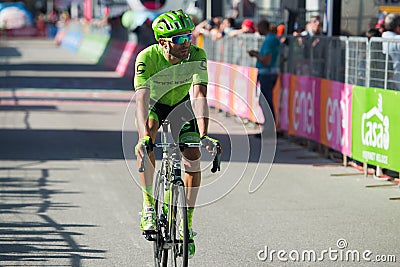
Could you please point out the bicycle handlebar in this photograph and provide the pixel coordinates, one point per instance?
(216, 162)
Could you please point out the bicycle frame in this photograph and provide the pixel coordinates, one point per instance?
(171, 165)
(172, 226)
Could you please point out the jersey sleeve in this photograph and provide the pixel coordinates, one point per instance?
(200, 76)
(142, 70)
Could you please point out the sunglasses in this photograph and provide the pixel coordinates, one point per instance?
(180, 39)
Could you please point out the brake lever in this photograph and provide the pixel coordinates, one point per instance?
(217, 159)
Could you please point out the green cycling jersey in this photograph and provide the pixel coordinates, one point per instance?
(169, 83)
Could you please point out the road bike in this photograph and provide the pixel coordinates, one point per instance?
(171, 237)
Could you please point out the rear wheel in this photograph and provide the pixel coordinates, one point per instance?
(179, 227)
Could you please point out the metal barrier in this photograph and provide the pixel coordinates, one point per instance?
(353, 60)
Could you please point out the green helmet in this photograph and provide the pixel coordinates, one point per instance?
(170, 23)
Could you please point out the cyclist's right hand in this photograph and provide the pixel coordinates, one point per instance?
(143, 146)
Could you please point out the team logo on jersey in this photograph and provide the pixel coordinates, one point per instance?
(203, 64)
(140, 68)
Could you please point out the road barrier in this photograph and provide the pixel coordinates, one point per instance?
(331, 91)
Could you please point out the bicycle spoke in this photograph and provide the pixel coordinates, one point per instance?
(160, 254)
(179, 228)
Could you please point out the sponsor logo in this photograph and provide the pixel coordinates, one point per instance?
(140, 68)
(375, 127)
(304, 111)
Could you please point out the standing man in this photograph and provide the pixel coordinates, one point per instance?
(164, 74)
(268, 70)
(392, 25)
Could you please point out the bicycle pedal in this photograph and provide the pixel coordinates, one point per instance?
(148, 235)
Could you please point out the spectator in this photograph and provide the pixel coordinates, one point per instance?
(246, 27)
(52, 19)
(227, 25)
(313, 27)
(208, 27)
(41, 24)
(392, 48)
(268, 70)
(314, 48)
(373, 32)
(280, 29)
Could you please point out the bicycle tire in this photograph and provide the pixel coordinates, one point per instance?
(160, 254)
(179, 231)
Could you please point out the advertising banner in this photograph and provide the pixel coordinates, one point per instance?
(241, 91)
(335, 119)
(276, 99)
(224, 84)
(72, 40)
(93, 46)
(126, 59)
(284, 102)
(212, 86)
(304, 101)
(232, 89)
(376, 127)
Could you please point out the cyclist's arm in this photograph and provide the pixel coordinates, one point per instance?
(142, 112)
(200, 107)
(142, 91)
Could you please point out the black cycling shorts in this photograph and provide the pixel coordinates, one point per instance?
(183, 122)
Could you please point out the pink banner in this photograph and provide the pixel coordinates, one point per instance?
(346, 105)
(212, 86)
(258, 115)
(304, 100)
(224, 85)
(88, 9)
(335, 117)
(125, 58)
(284, 102)
(232, 89)
(241, 97)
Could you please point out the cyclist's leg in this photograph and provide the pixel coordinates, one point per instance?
(146, 178)
(185, 126)
(148, 219)
(157, 115)
(192, 179)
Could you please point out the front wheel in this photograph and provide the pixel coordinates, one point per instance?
(179, 227)
(160, 254)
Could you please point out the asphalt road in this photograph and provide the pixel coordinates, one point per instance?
(68, 195)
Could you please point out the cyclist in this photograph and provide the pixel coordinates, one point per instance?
(164, 74)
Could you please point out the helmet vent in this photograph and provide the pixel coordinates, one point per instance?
(167, 24)
(178, 25)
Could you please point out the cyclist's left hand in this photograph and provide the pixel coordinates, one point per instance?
(211, 143)
(143, 143)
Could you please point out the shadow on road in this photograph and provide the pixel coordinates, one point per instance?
(25, 193)
(47, 145)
